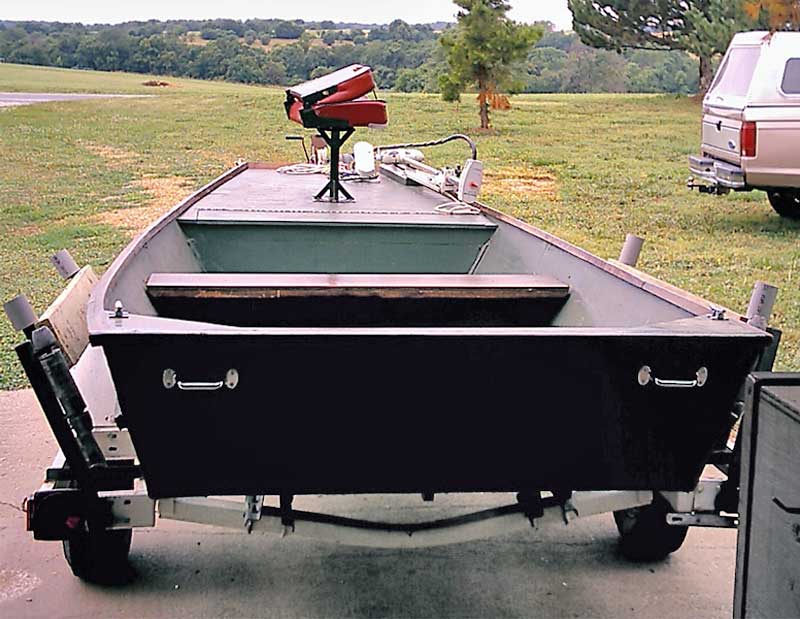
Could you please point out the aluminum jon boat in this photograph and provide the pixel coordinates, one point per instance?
(267, 338)
(262, 341)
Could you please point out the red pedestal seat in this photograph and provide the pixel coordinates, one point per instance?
(336, 101)
(359, 113)
(334, 105)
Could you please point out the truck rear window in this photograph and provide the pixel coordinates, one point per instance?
(735, 74)
(791, 77)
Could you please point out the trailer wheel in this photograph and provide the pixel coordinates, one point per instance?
(100, 556)
(785, 203)
(644, 534)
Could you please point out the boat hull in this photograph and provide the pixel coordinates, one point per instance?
(350, 412)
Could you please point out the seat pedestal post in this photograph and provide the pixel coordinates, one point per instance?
(334, 140)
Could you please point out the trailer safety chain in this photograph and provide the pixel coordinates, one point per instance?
(252, 512)
(287, 517)
(568, 508)
(532, 505)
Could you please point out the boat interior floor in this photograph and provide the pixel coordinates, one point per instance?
(264, 251)
(258, 251)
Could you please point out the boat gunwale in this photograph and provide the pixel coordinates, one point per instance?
(170, 326)
(101, 322)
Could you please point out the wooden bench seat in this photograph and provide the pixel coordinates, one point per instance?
(286, 299)
(280, 285)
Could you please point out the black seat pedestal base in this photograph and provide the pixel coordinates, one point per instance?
(334, 187)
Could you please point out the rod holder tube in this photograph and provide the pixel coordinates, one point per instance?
(65, 264)
(21, 314)
(631, 250)
(762, 300)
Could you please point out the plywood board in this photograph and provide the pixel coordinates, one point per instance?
(66, 316)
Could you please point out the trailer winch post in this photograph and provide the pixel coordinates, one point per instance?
(56, 371)
(73, 456)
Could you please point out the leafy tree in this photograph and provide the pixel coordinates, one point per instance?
(481, 49)
(410, 80)
(288, 30)
(564, 41)
(273, 73)
(545, 68)
(329, 37)
(319, 72)
(701, 27)
(778, 14)
(210, 34)
(650, 71)
(409, 57)
(710, 30)
(601, 72)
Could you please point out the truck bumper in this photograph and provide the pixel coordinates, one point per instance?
(715, 175)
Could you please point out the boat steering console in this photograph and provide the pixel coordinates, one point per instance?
(335, 104)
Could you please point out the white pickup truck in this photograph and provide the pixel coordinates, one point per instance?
(751, 122)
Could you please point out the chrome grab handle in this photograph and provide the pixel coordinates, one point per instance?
(170, 379)
(187, 386)
(645, 377)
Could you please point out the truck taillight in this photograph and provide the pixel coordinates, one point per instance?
(747, 139)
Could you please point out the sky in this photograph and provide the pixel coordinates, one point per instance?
(364, 11)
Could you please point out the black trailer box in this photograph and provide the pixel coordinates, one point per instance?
(768, 552)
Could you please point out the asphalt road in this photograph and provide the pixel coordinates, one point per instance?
(195, 571)
(10, 99)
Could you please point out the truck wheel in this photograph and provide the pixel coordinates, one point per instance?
(785, 203)
(100, 556)
(644, 534)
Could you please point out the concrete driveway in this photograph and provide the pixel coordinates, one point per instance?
(195, 571)
(11, 99)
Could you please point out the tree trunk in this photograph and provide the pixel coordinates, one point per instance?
(484, 114)
(483, 104)
(706, 75)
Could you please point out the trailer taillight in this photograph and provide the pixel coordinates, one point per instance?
(747, 139)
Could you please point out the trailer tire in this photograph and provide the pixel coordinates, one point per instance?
(100, 556)
(785, 203)
(644, 534)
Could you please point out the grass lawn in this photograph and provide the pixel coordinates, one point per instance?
(84, 175)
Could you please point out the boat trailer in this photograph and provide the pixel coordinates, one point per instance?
(94, 493)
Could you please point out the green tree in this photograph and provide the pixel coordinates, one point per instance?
(545, 68)
(595, 72)
(710, 28)
(410, 80)
(702, 27)
(776, 14)
(481, 50)
(288, 30)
